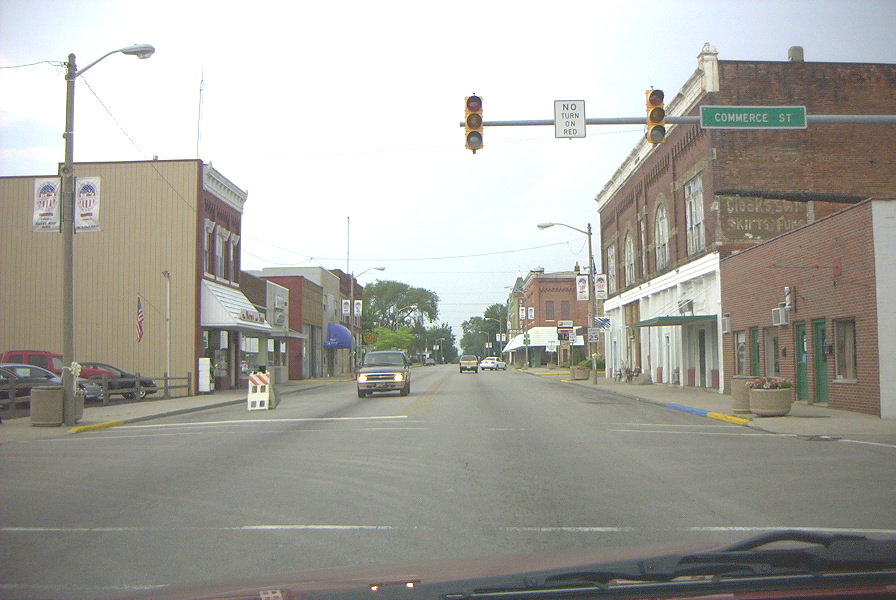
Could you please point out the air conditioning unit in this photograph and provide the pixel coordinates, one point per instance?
(726, 324)
(280, 320)
(780, 316)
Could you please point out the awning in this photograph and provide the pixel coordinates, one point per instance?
(539, 337)
(338, 336)
(225, 307)
(673, 321)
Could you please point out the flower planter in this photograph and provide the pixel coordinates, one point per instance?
(771, 403)
(577, 372)
(740, 394)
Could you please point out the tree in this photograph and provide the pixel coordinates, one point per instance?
(478, 331)
(440, 336)
(393, 339)
(393, 304)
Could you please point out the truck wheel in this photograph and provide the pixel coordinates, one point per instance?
(361, 394)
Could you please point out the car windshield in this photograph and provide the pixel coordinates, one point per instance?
(380, 359)
(336, 295)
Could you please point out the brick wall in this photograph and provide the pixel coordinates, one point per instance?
(830, 266)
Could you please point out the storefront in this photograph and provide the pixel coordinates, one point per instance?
(235, 334)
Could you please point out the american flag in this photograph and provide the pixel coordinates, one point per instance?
(138, 327)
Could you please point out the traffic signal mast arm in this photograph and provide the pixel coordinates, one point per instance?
(695, 120)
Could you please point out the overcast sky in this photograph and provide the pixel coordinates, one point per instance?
(327, 111)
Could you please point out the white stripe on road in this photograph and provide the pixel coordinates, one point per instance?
(244, 421)
(509, 529)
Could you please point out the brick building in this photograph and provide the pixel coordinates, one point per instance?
(815, 306)
(541, 301)
(673, 210)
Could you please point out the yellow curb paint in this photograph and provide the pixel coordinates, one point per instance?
(96, 426)
(728, 418)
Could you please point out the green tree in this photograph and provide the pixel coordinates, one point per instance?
(393, 339)
(441, 336)
(393, 304)
(479, 331)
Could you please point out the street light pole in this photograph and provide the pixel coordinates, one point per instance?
(68, 225)
(591, 295)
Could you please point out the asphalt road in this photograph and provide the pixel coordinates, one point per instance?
(468, 465)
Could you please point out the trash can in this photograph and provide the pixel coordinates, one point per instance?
(46, 406)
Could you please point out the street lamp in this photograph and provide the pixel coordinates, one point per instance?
(500, 330)
(68, 224)
(351, 309)
(591, 298)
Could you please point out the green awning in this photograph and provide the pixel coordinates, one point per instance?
(674, 320)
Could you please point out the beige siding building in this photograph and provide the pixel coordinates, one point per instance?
(162, 223)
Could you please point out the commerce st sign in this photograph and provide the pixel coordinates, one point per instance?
(753, 117)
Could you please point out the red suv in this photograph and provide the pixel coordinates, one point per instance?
(48, 360)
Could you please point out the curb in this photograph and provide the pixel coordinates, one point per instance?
(673, 406)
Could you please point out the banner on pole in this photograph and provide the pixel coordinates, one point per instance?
(47, 198)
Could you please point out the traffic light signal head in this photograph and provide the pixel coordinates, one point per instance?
(473, 122)
(656, 116)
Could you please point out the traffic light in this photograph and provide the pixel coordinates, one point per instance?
(656, 116)
(473, 122)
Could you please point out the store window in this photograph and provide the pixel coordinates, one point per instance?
(845, 349)
(741, 353)
(772, 353)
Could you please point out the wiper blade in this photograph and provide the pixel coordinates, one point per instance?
(830, 560)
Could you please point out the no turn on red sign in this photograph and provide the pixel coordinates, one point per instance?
(569, 118)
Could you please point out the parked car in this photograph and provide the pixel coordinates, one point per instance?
(26, 377)
(429, 362)
(469, 362)
(384, 371)
(119, 380)
(51, 361)
(494, 363)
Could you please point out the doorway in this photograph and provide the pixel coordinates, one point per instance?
(821, 361)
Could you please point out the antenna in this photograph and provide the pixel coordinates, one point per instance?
(199, 119)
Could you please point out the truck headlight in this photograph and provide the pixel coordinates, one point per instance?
(362, 378)
(399, 377)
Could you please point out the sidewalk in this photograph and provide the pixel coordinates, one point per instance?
(101, 417)
(804, 419)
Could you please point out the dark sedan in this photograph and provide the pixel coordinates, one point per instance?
(122, 382)
(25, 377)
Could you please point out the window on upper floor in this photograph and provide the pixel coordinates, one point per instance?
(629, 259)
(219, 255)
(564, 309)
(693, 196)
(661, 237)
(611, 268)
(549, 310)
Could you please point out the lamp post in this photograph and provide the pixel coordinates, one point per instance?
(500, 330)
(591, 299)
(351, 310)
(68, 224)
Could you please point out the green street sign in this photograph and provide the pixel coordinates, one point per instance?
(526, 340)
(753, 117)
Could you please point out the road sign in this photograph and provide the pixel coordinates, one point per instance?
(526, 339)
(593, 335)
(602, 322)
(569, 118)
(753, 117)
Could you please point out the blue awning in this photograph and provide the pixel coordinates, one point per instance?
(338, 336)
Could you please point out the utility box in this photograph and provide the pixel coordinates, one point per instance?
(46, 406)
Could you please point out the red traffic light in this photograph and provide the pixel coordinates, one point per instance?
(656, 116)
(473, 122)
(474, 103)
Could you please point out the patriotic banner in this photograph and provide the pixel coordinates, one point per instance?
(346, 308)
(358, 306)
(600, 286)
(47, 201)
(582, 287)
(87, 204)
(138, 327)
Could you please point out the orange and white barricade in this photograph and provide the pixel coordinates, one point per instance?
(261, 396)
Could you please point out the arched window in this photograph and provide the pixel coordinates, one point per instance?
(611, 268)
(661, 237)
(693, 195)
(629, 259)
